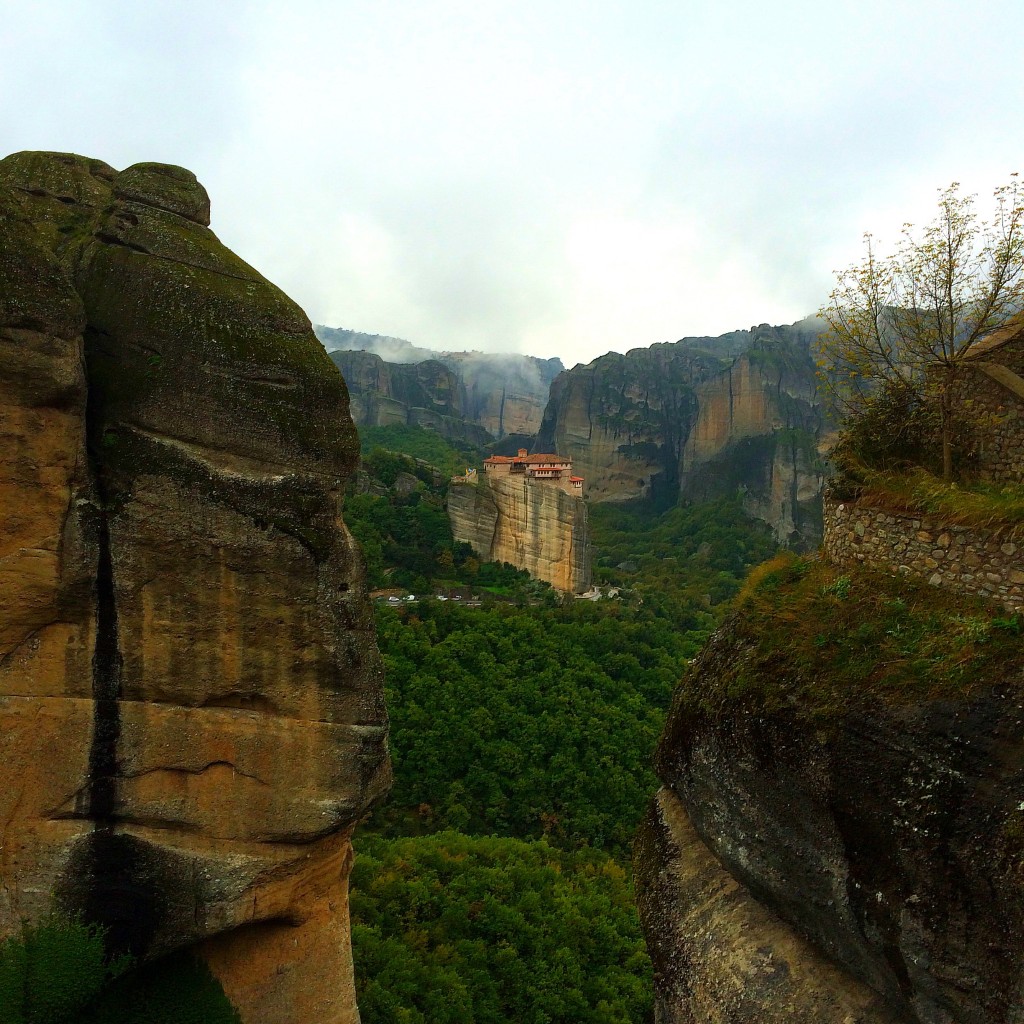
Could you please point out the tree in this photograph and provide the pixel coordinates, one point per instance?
(903, 325)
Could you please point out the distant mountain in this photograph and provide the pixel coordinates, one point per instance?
(697, 419)
(392, 350)
(425, 394)
(502, 393)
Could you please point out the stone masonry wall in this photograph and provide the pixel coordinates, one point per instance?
(1000, 438)
(954, 557)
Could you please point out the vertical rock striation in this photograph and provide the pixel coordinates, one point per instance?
(189, 625)
(533, 525)
(699, 419)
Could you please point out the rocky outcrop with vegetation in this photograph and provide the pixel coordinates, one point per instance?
(191, 712)
(839, 833)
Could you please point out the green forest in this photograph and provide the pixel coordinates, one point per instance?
(494, 884)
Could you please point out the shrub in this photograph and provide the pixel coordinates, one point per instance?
(58, 972)
(50, 971)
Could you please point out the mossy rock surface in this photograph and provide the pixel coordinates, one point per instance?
(35, 292)
(819, 642)
(848, 747)
(184, 339)
(165, 187)
(64, 176)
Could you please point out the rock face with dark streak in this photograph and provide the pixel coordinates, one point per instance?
(861, 865)
(190, 692)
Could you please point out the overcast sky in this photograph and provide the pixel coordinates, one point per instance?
(560, 177)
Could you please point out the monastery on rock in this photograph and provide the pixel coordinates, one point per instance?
(554, 468)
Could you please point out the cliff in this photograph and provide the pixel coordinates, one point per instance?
(504, 393)
(474, 396)
(533, 525)
(191, 712)
(697, 419)
(425, 394)
(839, 833)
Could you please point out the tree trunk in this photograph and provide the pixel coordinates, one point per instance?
(947, 450)
(946, 411)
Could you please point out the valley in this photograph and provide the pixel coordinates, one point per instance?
(521, 734)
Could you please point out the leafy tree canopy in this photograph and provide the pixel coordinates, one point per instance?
(449, 929)
(527, 722)
(903, 324)
(58, 973)
(450, 457)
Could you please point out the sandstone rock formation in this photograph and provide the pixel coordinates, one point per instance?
(859, 863)
(534, 525)
(699, 418)
(190, 693)
(722, 957)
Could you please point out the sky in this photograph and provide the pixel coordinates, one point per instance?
(561, 177)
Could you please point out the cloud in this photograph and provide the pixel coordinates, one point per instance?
(559, 177)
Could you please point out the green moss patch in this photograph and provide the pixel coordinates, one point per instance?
(821, 640)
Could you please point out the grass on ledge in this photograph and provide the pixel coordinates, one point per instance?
(822, 639)
(993, 507)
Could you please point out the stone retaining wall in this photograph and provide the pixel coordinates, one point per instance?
(954, 557)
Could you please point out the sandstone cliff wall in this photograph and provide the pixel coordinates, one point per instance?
(719, 955)
(756, 433)
(190, 692)
(531, 524)
(700, 418)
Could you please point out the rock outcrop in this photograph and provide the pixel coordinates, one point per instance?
(533, 525)
(850, 857)
(698, 419)
(190, 693)
(506, 394)
(720, 956)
